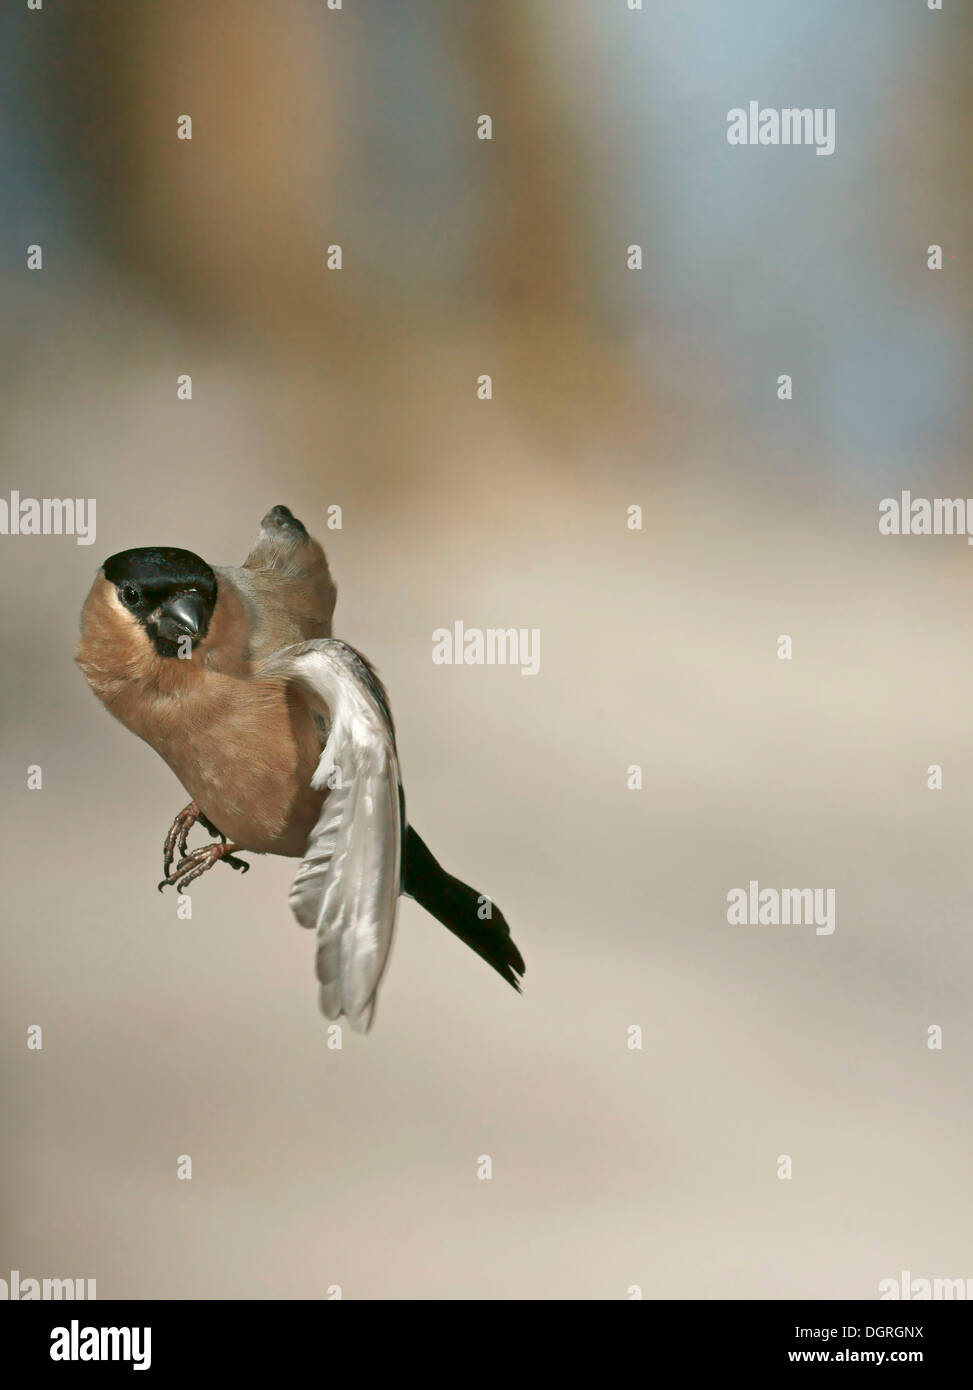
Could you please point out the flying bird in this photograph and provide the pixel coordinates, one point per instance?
(283, 738)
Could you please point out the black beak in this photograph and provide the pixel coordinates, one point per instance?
(181, 616)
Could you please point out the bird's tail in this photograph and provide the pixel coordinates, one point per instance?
(460, 908)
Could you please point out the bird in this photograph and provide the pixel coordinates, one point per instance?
(282, 736)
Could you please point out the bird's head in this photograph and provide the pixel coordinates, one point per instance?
(169, 594)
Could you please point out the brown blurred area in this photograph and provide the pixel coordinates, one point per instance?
(227, 234)
(162, 1037)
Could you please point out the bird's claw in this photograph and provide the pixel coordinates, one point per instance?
(178, 837)
(196, 863)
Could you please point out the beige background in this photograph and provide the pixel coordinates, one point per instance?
(163, 1037)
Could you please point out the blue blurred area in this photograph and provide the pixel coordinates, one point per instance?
(758, 261)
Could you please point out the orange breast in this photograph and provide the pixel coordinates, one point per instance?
(248, 765)
(246, 753)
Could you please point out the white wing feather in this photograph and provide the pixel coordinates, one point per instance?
(347, 887)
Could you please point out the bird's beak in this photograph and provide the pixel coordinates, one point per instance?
(181, 617)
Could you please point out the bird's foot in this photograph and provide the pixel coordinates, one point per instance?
(198, 861)
(179, 836)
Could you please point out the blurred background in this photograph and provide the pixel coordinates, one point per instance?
(313, 387)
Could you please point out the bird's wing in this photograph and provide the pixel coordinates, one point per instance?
(287, 577)
(348, 885)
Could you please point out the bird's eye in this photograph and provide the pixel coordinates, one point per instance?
(130, 594)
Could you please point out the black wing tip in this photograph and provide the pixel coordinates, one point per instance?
(510, 967)
(497, 947)
(457, 905)
(512, 979)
